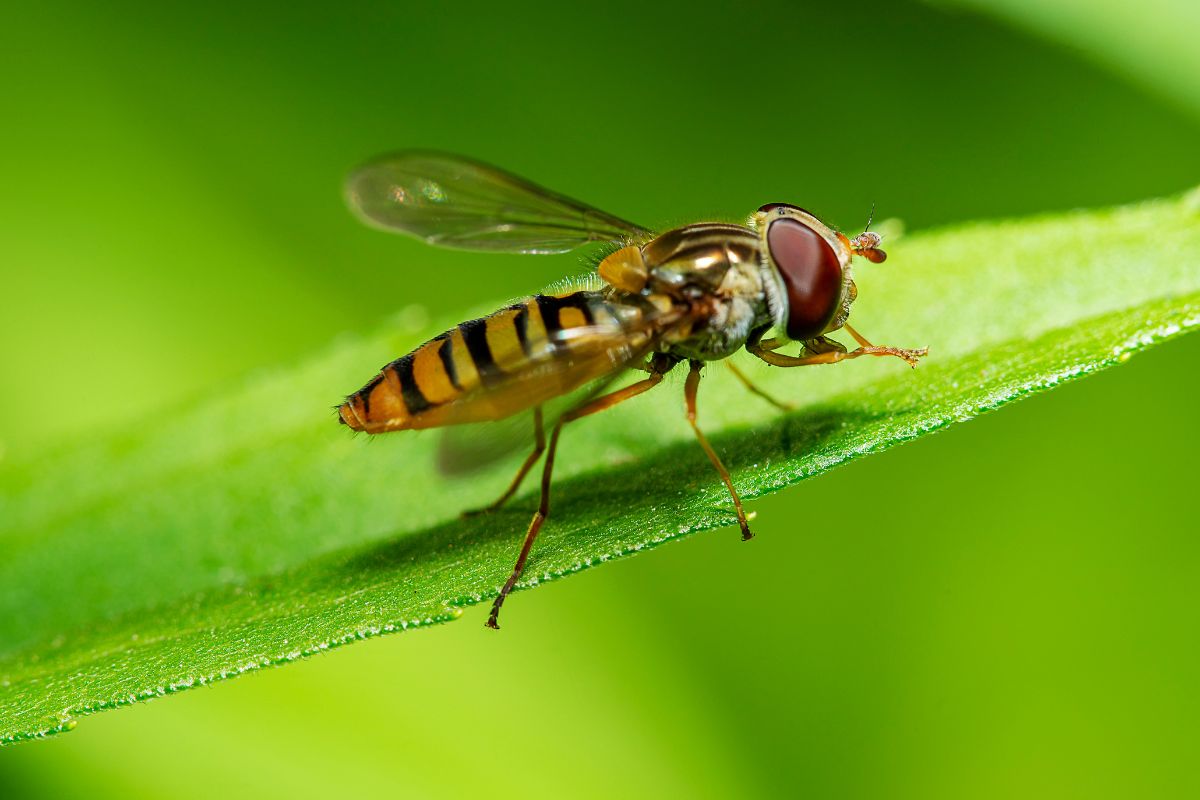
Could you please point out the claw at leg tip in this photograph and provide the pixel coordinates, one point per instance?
(493, 620)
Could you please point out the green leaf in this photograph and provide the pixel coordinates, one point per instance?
(249, 529)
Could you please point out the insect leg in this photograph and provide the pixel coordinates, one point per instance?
(834, 356)
(773, 344)
(745, 381)
(910, 356)
(539, 447)
(689, 395)
(858, 337)
(591, 407)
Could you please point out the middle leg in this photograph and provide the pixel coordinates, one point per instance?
(689, 394)
(539, 446)
(753, 389)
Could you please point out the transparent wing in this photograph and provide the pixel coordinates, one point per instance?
(452, 201)
(464, 449)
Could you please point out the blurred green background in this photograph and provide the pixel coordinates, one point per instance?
(172, 218)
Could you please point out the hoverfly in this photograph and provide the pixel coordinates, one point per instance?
(692, 294)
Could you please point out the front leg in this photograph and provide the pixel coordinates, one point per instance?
(826, 351)
(910, 356)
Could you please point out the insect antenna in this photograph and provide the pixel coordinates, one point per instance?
(866, 244)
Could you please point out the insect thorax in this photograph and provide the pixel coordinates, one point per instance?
(716, 269)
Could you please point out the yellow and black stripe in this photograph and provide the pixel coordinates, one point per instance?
(437, 383)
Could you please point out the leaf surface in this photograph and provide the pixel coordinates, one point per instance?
(248, 529)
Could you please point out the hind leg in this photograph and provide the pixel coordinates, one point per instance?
(539, 446)
(539, 517)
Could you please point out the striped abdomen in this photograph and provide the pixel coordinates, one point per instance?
(490, 368)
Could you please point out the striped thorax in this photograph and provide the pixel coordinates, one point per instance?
(716, 272)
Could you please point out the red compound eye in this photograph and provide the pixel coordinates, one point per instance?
(811, 273)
